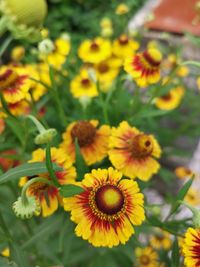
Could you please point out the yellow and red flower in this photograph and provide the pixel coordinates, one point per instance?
(48, 195)
(171, 100)
(132, 152)
(93, 141)
(146, 257)
(107, 209)
(191, 248)
(124, 47)
(82, 85)
(183, 172)
(14, 84)
(144, 67)
(95, 51)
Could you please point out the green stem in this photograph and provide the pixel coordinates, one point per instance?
(103, 104)
(30, 182)
(39, 126)
(56, 98)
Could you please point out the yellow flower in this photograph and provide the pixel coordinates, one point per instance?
(107, 209)
(48, 195)
(183, 71)
(122, 9)
(95, 51)
(132, 152)
(198, 82)
(191, 248)
(14, 84)
(144, 67)
(5, 252)
(57, 57)
(192, 197)
(19, 108)
(107, 32)
(106, 23)
(160, 240)
(93, 141)
(82, 85)
(107, 71)
(17, 53)
(183, 172)
(124, 47)
(146, 257)
(171, 100)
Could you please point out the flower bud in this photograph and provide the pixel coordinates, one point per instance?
(46, 46)
(45, 136)
(25, 210)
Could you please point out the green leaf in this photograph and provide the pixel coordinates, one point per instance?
(70, 190)
(175, 254)
(81, 166)
(181, 194)
(27, 169)
(18, 255)
(152, 113)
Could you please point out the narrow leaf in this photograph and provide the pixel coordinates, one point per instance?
(27, 169)
(181, 194)
(70, 190)
(80, 163)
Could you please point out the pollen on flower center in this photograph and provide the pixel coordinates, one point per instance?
(141, 146)
(94, 47)
(8, 78)
(38, 187)
(84, 131)
(109, 199)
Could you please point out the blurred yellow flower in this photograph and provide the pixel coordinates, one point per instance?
(160, 240)
(124, 47)
(192, 197)
(183, 172)
(17, 53)
(5, 252)
(144, 67)
(183, 71)
(106, 23)
(171, 100)
(95, 51)
(122, 9)
(82, 85)
(146, 257)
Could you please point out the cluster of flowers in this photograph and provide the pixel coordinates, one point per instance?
(110, 204)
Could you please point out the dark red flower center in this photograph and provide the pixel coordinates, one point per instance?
(167, 97)
(94, 47)
(140, 146)
(144, 259)
(150, 60)
(85, 82)
(109, 199)
(85, 132)
(123, 40)
(8, 79)
(103, 67)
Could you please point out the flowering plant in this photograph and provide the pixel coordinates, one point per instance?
(87, 136)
